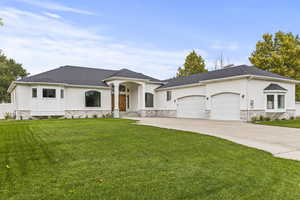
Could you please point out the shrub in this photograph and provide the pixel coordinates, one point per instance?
(261, 118)
(95, 116)
(267, 119)
(8, 116)
(254, 119)
(292, 118)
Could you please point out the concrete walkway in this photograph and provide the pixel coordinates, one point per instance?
(281, 142)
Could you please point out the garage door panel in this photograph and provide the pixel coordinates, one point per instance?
(191, 107)
(225, 107)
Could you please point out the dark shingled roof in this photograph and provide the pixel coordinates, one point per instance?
(82, 76)
(126, 73)
(222, 73)
(273, 86)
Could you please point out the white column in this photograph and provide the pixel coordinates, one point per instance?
(143, 91)
(116, 100)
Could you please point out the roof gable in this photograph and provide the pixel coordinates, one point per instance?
(273, 86)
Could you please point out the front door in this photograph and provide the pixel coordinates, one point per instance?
(122, 102)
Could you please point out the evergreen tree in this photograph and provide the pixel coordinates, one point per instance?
(194, 64)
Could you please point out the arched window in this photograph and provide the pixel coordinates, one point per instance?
(92, 99)
(149, 100)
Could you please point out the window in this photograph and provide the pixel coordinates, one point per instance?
(122, 88)
(281, 101)
(92, 99)
(34, 92)
(49, 93)
(149, 100)
(270, 102)
(169, 95)
(62, 94)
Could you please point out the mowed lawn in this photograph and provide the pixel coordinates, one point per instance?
(283, 123)
(115, 159)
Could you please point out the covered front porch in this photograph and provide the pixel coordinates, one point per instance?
(127, 97)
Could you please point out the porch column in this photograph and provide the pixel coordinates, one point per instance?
(116, 100)
(143, 91)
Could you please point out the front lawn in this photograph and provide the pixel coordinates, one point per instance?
(283, 123)
(115, 159)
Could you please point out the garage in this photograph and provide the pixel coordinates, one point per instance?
(225, 106)
(191, 107)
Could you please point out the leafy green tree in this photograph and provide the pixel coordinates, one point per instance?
(279, 54)
(194, 64)
(10, 70)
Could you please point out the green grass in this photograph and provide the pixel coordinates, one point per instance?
(116, 159)
(283, 123)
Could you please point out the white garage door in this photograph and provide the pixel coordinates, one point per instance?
(191, 107)
(225, 107)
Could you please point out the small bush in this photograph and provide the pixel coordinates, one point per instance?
(8, 116)
(261, 118)
(86, 116)
(267, 119)
(254, 119)
(95, 116)
(292, 118)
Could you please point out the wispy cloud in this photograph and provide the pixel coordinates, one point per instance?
(53, 15)
(27, 37)
(225, 46)
(56, 6)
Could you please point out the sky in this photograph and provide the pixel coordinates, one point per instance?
(151, 37)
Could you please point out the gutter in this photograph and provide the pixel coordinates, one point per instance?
(230, 78)
(14, 83)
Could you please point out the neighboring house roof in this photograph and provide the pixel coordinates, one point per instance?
(83, 76)
(273, 86)
(219, 74)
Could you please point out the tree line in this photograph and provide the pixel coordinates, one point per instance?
(278, 53)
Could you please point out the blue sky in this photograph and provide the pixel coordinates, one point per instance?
(152, 37)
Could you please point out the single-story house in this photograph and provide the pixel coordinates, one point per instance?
(233, 93)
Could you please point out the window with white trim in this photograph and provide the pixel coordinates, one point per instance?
(49, 93)
(169, 95)
(275, 102)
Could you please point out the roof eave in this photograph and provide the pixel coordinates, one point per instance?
(131, 79)
(61, 84)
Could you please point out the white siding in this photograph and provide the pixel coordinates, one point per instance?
(6, 108)
(161, 96)
(256, 93)
(298, 109)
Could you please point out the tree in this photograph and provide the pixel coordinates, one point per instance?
(9, 71)
(1, 22)
(279, 54)
(194, 63)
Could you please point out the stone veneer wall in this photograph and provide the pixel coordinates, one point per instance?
(86, 113)
(258, 113)
(158, 113)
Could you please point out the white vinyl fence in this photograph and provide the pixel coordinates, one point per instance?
(6, 108)
(298, 109)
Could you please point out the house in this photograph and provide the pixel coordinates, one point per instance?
(233, 93)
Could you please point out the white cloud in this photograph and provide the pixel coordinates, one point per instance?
(225, 46)
(53, 15)
(55, 6)
(42, 43)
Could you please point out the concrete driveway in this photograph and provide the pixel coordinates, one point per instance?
(281, 142)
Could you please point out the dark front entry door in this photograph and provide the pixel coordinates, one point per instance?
(122, 102)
